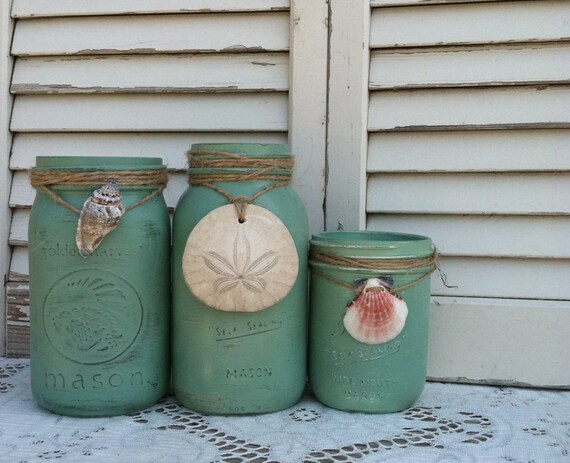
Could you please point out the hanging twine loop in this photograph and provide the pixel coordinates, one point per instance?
(44, 179)
(429, 263)
(240, 202)
(262, 168)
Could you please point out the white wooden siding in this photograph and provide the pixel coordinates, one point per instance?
(504, 278)
(532, 150)
(19, 268)
(237, 32)
(465, 131)
(461, 108)
(140, 113)
(151, 78)
(6, 26)
(485, 235)
(470, 23)
(186, 73)
(19, 227)
(504, 342)
(48, 8)
(390, 3)
(499, 193)
(466, 66)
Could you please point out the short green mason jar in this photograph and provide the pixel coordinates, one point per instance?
(240, 239)
(369, 304)
(99, 323)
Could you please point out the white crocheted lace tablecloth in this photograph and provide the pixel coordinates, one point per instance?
(450, 423)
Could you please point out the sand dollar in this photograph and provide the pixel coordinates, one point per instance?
(240, 267)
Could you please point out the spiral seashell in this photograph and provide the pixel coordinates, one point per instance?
(99, 216)
(376, 315)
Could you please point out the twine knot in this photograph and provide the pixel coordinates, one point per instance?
(240, 202)
(232, 167)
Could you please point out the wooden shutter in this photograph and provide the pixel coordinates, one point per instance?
(149, 78)
(453, 121)
(6, 26)
(448, 118)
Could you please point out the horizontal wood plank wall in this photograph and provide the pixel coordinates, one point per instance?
(469, 128)
(6, 62)
(149, 34)
(50, 8)
(380, 3)
(145, 78)
(176, 73)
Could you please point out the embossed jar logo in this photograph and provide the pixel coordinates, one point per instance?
(91, 316)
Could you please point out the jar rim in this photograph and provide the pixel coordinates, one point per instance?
(89, 163)
(371, 244)
(245, 149)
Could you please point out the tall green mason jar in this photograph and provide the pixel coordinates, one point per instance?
(99, 254)
(240, 240)
(369, 304)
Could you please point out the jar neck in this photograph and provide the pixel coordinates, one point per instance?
(96, 178)
(97, 163)
(240, 172)
(234, 163)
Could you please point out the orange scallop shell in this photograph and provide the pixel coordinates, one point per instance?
(376, 315)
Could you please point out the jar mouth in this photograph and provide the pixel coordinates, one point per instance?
(91, 163)
(245, 149)
(371, 244)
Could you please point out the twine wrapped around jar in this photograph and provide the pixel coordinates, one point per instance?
(278, 170)
(384, 265)
(44, 179)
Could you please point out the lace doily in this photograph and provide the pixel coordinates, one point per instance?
(450, 423)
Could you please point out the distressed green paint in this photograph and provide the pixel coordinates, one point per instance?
(99, 325)
(350, 375)
(239, 362)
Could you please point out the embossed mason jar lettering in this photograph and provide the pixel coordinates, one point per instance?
(99, 284)
(369, 304)
(239, 282)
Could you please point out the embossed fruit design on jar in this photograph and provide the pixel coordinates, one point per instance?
(369, 307)
(239, 282)
(99, 253)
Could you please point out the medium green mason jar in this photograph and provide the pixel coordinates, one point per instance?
(99, 323)
(369, 304)
(240, 241)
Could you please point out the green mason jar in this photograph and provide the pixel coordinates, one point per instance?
(99, 284)
(240, 241)
(369, 305)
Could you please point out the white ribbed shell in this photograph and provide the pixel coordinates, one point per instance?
(99, 216)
